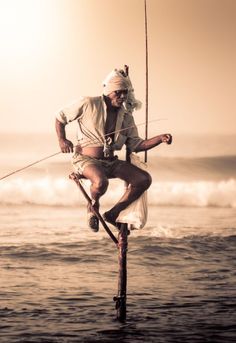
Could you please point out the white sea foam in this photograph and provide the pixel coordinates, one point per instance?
(63, 192)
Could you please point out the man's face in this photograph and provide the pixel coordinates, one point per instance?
(118, 97)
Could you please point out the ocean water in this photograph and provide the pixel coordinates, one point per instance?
(58, 278)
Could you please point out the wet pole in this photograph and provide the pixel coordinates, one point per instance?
(120, 299)
(122, 245)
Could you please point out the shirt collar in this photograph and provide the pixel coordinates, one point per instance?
(120, 117)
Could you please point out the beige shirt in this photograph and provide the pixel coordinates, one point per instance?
(91, 113)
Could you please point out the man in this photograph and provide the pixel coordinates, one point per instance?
(106, 124)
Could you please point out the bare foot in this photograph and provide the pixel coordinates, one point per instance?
(92, 219)
(110, 218)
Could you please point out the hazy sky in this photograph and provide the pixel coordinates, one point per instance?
(53, 51)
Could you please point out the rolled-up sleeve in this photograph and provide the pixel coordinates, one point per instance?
(72, 111)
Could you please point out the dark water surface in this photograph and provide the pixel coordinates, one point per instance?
(179, 290)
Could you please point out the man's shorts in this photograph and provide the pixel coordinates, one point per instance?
(80, 162)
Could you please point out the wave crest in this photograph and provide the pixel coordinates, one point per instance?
(62, 192)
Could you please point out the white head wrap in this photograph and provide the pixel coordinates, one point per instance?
(115, 81)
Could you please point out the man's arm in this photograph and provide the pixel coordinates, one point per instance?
(152, 142)
(65, 145)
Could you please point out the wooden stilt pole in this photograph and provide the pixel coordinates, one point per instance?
(122, 245)
(120, 299)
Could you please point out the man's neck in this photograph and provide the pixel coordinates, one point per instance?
(110, 108)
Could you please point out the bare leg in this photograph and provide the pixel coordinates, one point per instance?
(99, 181)
(99, 184)
(138, 181)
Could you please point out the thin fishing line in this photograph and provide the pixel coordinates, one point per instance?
(29, 165)
(130, 127)
(83, 145)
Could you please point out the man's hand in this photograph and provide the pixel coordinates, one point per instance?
(66, 145)
(166, 138)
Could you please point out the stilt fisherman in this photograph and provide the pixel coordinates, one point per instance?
(106, 123)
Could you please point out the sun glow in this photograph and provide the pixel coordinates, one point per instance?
(21, 24)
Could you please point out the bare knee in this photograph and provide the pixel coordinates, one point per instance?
(147, 180)
(99, 185)
(143, 181)
(98, 179)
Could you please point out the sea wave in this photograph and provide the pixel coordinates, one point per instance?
(62, 192)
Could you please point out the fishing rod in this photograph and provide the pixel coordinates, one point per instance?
(81, 145)
(146, 62)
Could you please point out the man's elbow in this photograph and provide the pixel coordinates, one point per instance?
(140, 147)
